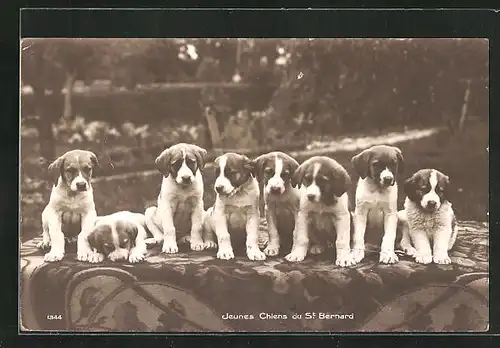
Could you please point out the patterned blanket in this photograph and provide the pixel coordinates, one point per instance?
(195, 292)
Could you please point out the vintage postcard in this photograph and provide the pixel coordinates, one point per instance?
(254, 185)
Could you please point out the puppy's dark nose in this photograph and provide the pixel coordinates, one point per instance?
(219, 189)
(311, 197)
(275, 190)
(431, 204)
(387, 180)
(186, 179)
(81, 186)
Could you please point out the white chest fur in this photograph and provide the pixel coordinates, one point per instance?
(181, 201)
(238, 207)
(429, 222)
(79, 202)
(370, 196)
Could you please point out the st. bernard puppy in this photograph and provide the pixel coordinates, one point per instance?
(118, 236)
(235, 213)
(179, 213)
(428, 218)
(72, 193)
(281, 199)
(323, 207)
(377, 192)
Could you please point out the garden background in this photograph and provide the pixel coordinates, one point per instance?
(128, 99)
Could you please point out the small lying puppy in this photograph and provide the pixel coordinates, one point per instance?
(72, 193)
(118, 236)
(377, 189)
(428, 218)
(180, 203)
(236, 208)
(281, 199)
(323, 207)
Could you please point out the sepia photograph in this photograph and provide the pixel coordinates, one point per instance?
(254, 185)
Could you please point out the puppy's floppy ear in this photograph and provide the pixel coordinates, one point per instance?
(361, 163)
(95, 241)
(298, 175)
(341, 184)
(446, 184)
(292, 164)
(132, 232)
(250, 165)
(401, 162)
(200, 154)
(56, 168)
(93, 159)
(162, 162)
(409, 186)
(259, 166)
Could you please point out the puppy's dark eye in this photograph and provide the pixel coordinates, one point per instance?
(269, 171)
(71, 170)
(124, 243)
(308, 180)
(285, 174)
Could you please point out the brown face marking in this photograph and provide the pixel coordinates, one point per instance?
(72, 164)
(170, 160)
(371, 162)
(238, 169)
(331, 178)
(127, 233)
(101, 239)
(419, 184)
(266, 167)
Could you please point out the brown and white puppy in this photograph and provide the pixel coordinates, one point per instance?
(72, 192)
(236, 208)
(275, 170)
(377, 191)
(180, 203)
(428, 217)
(323, 207)
(118, 236)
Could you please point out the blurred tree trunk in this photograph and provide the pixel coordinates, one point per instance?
(213, 127)
(44, 127)
(463, 116)
(68, 96)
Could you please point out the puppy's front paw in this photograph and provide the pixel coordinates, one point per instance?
(197, 245)
(153, 241)
(95, 257)
(410, 251)
(53, 256)
(423, 258)
(209, 245)
(44, 244)
(225, 254)
(255, 254)
(388, 257)
(358, 255)
(170, 248)
(295, 256)
(316, 249)
(442, 259)
(272, 250)
(344, 259)
(136, 256)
